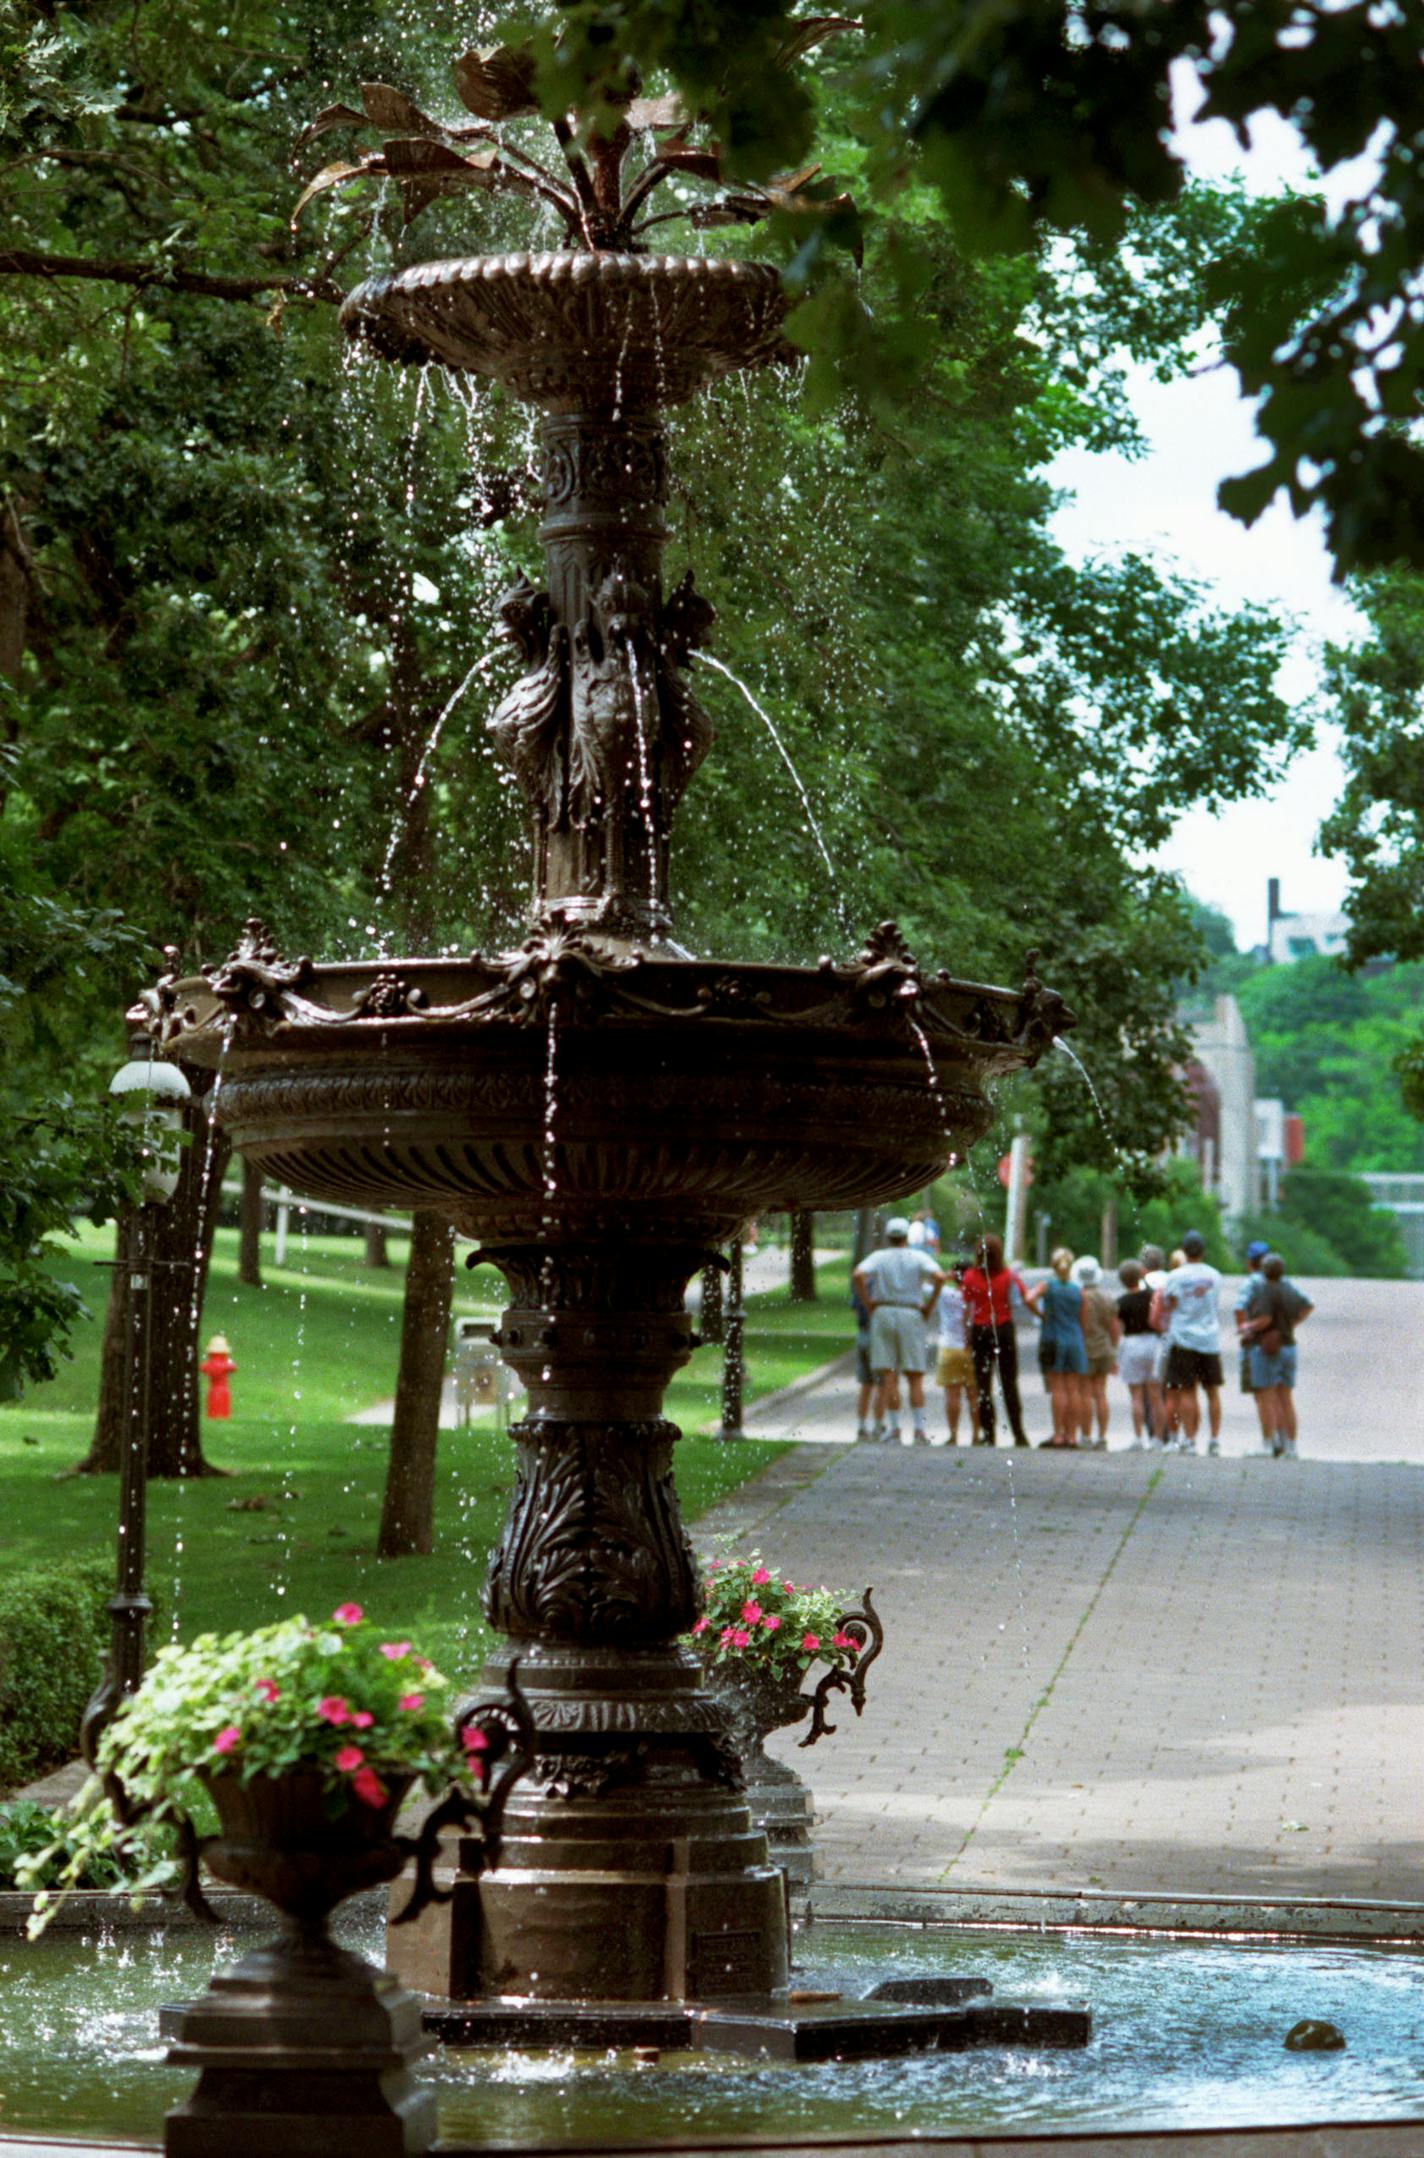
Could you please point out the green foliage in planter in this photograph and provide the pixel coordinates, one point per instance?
(40, 1835)
(754, 1621)
(340, 1698)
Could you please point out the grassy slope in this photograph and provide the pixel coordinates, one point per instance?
(317, 1343)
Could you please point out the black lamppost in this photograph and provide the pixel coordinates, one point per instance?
(153, 1094)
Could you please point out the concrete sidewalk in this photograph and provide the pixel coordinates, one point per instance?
(1126, 1674)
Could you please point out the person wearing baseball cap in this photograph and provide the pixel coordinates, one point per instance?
(1255, 1253)
(898, 1285)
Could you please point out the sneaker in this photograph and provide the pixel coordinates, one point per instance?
(918, 1437)
(1290, 1452)
(863, 1432)
(892, 1435)
(877, 1436)
(1184, 1445)
(1136, 1445)
(1215, 1447)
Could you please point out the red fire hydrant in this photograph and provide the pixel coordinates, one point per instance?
(217, 1367)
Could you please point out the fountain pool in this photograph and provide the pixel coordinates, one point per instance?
(1187, 2034)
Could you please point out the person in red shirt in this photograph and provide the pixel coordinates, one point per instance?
(989, 1286)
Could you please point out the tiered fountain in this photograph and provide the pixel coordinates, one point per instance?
(598, 1108)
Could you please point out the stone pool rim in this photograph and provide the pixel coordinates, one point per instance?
(1321, 1920)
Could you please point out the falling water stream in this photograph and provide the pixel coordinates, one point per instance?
(707, 659)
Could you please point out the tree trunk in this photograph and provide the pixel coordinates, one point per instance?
(864, 1234)
(408, 1508)
(712, 1324)
(249, 1235)
(180, 1245)
(408, 1511)
(803, 1258)
(376, 1253)
(1109, 1237)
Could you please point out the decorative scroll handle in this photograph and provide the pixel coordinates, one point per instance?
(865, 1629)
(507, 1727)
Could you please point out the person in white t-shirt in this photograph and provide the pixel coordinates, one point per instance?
(1191, 1293)
(898, 1286)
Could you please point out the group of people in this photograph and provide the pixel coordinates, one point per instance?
(1161, 1335)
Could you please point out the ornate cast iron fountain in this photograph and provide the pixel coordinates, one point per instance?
(599, 1109)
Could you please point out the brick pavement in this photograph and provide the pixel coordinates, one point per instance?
(1143, 1674)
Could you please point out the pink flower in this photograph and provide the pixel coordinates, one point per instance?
(790, 1587)
(715, 1567)
(726, 1637)
(741, 1638)
(412, 1701)
(771, 1622)
(227, 1739)
(349, 1758)
(395, 1650)
(332, 1709)
(751, 1611)
(347, 1614)
(268, 1688)
(843, 1640)
(362, 1719)
(702, 1625)
(811, 1641)
(475, 1740)
(368, 1787)
(760, 1575)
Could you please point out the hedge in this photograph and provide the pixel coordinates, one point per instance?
(54, 1631)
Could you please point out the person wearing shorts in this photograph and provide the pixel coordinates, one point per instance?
(898, 1285)
(1255, 1253)
(954, 1362)
(1066, 1369)
(1100, 1336)
(1190, 1294)
(1137, 1354)
(1276, 1309)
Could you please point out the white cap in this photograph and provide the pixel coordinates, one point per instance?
(897, 1226)
(1087, 1271)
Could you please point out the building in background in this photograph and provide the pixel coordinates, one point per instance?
(1299, 936)
(1222, 1080)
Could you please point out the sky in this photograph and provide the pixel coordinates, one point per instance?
(1198, 432)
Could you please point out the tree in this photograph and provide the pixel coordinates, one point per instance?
(1031, 117)
(245, 581)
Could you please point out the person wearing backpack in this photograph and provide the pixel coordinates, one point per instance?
(1276, 1309)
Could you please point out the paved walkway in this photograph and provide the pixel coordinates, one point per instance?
(1131, 1673)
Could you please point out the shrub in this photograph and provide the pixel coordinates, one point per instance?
(54, 1630)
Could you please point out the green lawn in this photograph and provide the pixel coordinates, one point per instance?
(317, 1343)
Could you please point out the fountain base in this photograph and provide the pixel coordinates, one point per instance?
(304, 2051)
(768, 2029)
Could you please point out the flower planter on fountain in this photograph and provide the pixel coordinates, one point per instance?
(760, 1637)
(601, 1111)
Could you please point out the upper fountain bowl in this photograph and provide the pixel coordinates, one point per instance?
(578, 331)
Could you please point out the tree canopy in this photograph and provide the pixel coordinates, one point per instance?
(1034, 115)
(244, 584)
